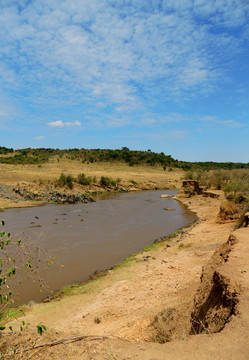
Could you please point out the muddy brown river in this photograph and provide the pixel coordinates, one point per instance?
(89, 237)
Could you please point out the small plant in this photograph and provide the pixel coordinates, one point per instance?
(133, 182)
(16, 254)
(41, 328)
(97, 320)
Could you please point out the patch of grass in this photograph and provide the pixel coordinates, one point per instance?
(89, 286)
(125, 262)
(184, 246)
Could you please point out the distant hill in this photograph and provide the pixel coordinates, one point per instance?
(131, 157)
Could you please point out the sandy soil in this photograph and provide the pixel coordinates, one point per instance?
(112, 317)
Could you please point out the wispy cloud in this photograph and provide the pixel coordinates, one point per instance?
(41, 137)
(228, 123)
(120, 51)
(232, 124)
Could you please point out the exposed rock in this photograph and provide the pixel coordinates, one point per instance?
(52, 196)
(191, 187)
(8, 193)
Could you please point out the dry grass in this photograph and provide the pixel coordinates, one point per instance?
(11, 174)
(227, 210)
(45, 176)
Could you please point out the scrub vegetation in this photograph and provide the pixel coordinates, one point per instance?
(234, 183)
(131, 157)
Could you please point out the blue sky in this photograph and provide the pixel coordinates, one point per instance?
(165, 75)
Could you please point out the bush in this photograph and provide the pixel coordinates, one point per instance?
(227, 210)
(83, 180)
(106, 181)
(65, 181)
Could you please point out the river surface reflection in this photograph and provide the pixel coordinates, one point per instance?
(87, 237)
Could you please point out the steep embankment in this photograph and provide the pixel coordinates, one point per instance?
(158, 296)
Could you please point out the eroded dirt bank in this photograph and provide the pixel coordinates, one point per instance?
(159, 296)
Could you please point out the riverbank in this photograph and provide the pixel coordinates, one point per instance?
(114, 316)
(32, 185)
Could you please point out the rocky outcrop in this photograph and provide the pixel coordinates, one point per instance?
(192, 187)
(7, 193)
(52, 196)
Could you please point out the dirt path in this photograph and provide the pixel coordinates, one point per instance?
(124, 303)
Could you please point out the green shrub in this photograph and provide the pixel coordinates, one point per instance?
(106, 181)
(83, 180)
(65, 181)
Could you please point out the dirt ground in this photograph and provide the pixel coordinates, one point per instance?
(114, 316)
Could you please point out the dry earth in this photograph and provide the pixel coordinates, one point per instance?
(114, 316)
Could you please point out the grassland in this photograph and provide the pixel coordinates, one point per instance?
(45, 177)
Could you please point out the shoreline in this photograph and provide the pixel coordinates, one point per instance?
(90, 196)
(100, 273)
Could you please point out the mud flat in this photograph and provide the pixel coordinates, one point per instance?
(191, 291)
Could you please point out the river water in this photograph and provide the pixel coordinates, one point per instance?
(89, 237)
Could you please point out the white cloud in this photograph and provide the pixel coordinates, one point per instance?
(57, 123)
(61, 124)
(74, 123)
